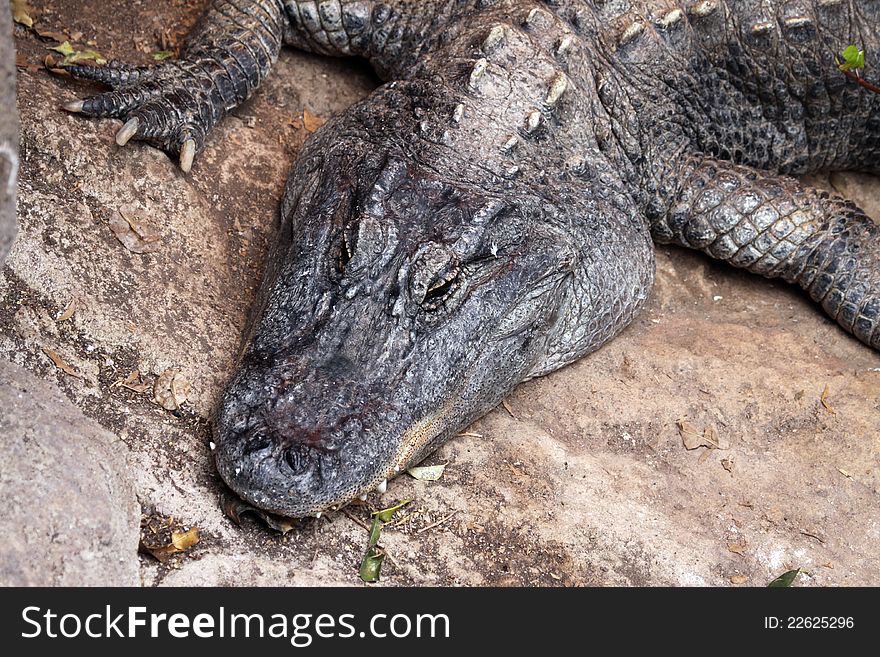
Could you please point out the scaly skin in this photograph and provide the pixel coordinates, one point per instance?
(487, 215)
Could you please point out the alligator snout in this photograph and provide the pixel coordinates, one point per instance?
(298, 444)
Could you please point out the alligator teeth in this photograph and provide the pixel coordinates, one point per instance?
(127, 131)
(383, 486)
(318, 514)
(362, 498)
(187, 153)
(212, 445)
(74, 106)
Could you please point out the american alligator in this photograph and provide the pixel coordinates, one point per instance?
(487, 215)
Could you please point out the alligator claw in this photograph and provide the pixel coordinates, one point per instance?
(127, 131)
(75, 106)
(187, 153)
(171, 107)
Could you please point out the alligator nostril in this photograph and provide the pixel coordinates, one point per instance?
(293, 458)
(296, 459)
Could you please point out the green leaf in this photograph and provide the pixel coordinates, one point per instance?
(162, 55)
(374, 556)
(96, 57)
(385, 514)
(372, 565)
(428, 472)
(785, 580)
(65, 49)
(853, 58)
(375, 532)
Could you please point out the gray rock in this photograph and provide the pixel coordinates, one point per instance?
(8, 136)
(70, 516)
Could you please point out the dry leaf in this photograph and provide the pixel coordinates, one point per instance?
(180, 542)
(844, 473)
(68, 312)
(135, 382)
(311, 122)
(693, 438)
(727, 463)
(21, 13)
(739, 579)
(427, 472)
(825, 402)
(710, 437)
(22, 63)
(737, 548)
(170, 390)
(60, 364)
(54, 66)
(185, 540)
(60, 37)
(132, 231)
(235, 507)
(690, 435)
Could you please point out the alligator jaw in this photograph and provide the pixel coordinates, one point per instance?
(416, 442)
(413, 446)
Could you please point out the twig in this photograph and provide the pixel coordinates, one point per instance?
(355, 520)
(818, 538)
(862, 82)
(435, 524)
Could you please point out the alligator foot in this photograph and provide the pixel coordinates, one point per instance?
(173, 105)
(170, 106)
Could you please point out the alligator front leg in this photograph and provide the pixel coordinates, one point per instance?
(175, 104)
(779, 228)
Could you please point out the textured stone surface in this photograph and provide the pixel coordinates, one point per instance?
(8, 135)
(589, 483)
(70, 515)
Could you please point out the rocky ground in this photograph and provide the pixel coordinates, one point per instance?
(125, 269)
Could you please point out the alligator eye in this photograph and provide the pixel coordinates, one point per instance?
(347, 245)
(441, 288)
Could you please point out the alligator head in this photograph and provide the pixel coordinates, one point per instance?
(399, 306)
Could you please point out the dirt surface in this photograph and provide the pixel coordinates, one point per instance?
(585, 480)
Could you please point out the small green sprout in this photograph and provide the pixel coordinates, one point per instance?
(853, 59)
